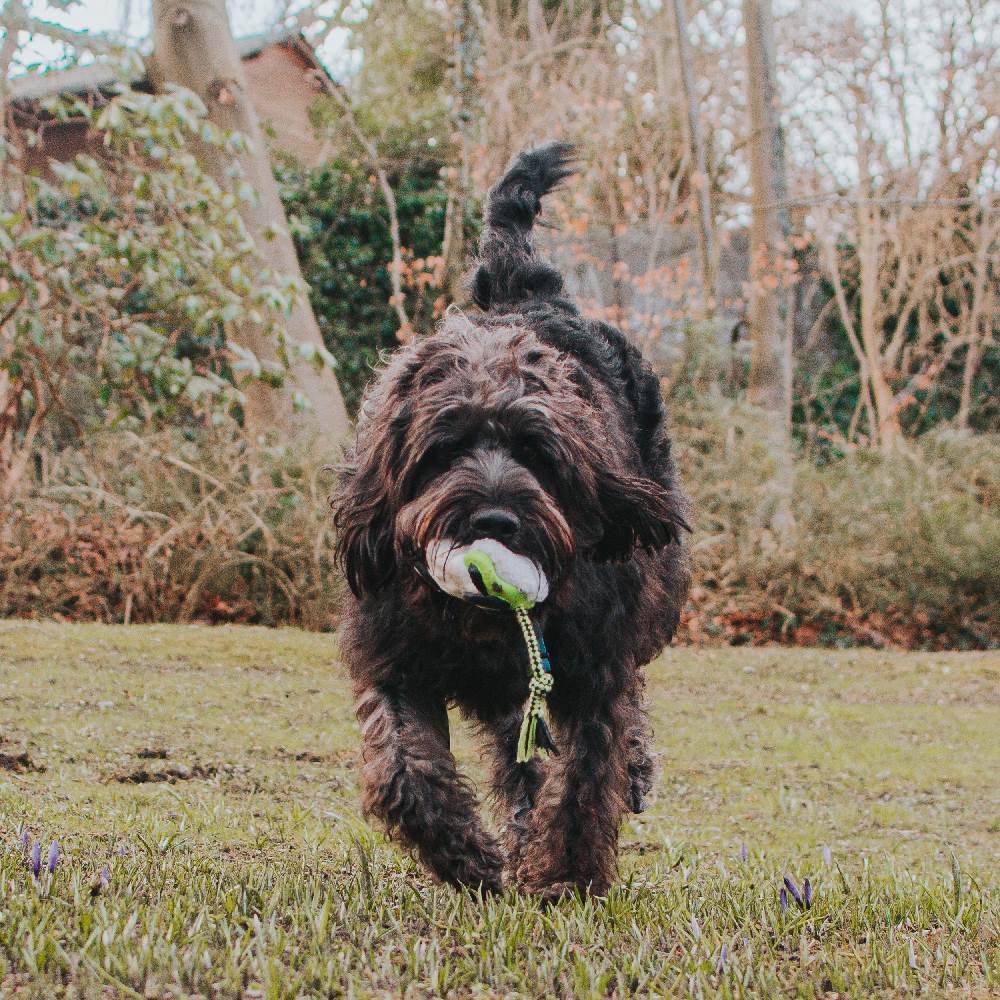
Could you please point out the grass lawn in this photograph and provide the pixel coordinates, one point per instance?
(212, 772)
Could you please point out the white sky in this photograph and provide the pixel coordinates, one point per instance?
(129, 20)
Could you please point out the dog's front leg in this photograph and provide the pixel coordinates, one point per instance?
(412, 784)
(572, 840)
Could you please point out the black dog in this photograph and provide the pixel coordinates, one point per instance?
(529, 424)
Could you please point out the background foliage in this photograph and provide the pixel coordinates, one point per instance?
(341, 232)
(130, 491)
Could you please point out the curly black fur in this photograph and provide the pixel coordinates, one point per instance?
(557, 421)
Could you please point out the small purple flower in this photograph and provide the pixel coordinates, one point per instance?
(790, 886)
(723, 959)
(53, 856)
(783, 898)
(743, 852)
(105, 879)
(827, 855)
(808, 894)
(36, 859)
(25, 841)
(121, 851)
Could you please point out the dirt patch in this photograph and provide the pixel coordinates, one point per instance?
(336, 757)
(19, 763)
(152, 753)
(643, 847)
(145, 776)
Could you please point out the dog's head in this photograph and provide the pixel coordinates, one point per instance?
(488, 432)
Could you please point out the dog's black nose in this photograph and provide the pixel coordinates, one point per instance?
(496, 523)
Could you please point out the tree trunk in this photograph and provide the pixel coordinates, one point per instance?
(193, 46)
(869, 237)
(14, 19)
(464, 109)
(768, 385)
(977, 337)
(696, 145)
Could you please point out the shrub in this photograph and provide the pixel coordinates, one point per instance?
(885, 550)
(122, 280)
(341, 229)
(161, 529)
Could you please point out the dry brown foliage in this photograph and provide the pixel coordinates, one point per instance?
(143, 530)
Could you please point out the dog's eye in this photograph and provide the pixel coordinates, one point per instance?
(435, 459)
(435, 455)
(527, 450)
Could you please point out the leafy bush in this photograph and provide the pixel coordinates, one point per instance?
(122, 280)
(828, 385)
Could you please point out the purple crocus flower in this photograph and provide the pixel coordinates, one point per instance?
(808, 894)
(105, 877)
(36, 859)
(723, 959)
(121, 851)
(743, 852)
(25, 841)
(53, 856)
(827, 855)
(790, 886)
(783, 898)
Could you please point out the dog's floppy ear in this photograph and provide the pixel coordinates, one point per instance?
(635, 512)
(365, 505)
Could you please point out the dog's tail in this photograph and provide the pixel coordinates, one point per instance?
(508, 271)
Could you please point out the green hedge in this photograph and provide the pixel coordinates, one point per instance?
(341, 228)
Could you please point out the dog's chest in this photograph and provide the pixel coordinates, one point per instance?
(490, 671)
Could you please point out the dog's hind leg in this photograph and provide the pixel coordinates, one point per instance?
(571, 843)
(515, 786)
(412, 784)
(641, 769)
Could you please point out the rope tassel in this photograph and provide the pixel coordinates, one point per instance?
(535, 734)
(489, 574)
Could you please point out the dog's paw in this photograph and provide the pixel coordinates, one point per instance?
(637, 800)
(491, 886)
(552, 892)
(483, 873)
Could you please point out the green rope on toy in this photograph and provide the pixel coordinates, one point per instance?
(539, 685)
(535, 733)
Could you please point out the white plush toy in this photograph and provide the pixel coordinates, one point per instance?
(486, 568)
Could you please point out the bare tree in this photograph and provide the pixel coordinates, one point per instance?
(696, 143)
(463, 104)
(193, 47)
(906, 216)
(769, 376)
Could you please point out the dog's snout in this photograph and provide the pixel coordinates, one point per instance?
(496, 523)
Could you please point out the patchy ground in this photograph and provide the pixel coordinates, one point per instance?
(212, 773)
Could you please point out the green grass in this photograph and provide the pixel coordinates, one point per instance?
(252, 873)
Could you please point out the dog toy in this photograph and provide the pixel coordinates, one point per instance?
(489, 574)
